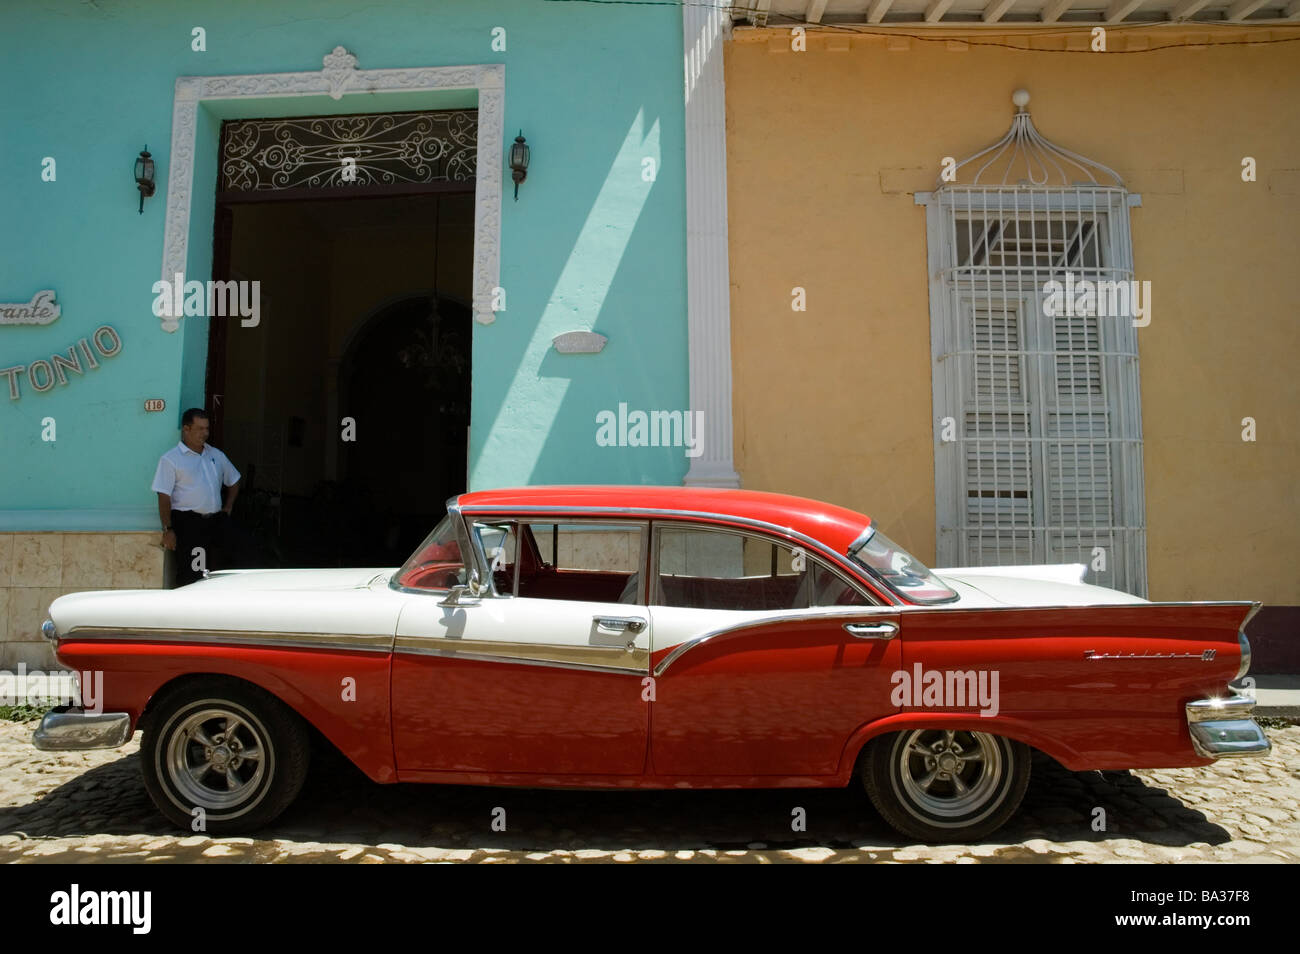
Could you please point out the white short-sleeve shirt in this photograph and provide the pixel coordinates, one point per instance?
(193, 481)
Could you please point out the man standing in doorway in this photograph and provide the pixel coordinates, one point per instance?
(188, 483)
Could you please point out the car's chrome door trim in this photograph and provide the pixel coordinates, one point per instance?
(354, 642)
(858, 614)
(615, 659)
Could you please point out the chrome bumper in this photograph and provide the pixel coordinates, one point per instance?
(1223, 728)
(68, 727)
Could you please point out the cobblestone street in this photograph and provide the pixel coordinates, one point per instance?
(91, 806)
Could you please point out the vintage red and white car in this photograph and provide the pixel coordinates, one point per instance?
(641, 637)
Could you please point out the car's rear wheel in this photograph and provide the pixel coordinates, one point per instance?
(945, 784)
(223, 757)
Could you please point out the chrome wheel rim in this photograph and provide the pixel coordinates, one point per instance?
(948, 774)
(217, 757)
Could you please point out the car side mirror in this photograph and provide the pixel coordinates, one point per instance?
(473, 589)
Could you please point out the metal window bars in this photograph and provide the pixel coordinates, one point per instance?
(1043, 388)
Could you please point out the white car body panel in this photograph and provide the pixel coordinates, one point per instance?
(512, 620)
(1049, 585)
(344, 601)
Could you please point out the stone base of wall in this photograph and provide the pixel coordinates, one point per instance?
(38, 568)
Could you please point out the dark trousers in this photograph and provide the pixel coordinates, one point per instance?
(205, 531)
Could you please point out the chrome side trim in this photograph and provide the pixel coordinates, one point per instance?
(70, 728)
(429, 592)
(236, 637)
(1255, 607)
(682, 648)
(589, 658)
(1223, 728)
(1244, 645)
(957, 608)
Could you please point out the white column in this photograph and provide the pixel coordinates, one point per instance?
(708, 289)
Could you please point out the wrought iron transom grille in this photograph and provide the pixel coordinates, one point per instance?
(1039, 457)
(259, 155)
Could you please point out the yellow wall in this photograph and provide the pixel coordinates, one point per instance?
(824, 152)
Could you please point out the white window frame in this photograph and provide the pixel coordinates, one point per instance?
(1126, 534)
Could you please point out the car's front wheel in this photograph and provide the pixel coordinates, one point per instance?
(223, 757)
(940, 785)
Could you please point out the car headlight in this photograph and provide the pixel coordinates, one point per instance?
(49, 632)
(1244, 643)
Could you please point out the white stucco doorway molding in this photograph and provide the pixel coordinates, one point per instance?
(339, 78)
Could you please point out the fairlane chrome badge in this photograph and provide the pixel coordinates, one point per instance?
(1204, 655)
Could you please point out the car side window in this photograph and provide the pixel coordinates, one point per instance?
(828, 588)
(500, 544)
(591, 562)
(722, 569)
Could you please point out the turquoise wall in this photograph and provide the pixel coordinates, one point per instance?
(590, 245)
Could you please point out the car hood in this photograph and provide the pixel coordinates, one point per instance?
(1054, 585)
(349, 578)
(346, 601)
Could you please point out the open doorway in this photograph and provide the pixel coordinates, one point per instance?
(346, 407)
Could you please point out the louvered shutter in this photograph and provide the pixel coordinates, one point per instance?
(996, 437)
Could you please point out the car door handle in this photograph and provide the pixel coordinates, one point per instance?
(632, 624)
(872, 630)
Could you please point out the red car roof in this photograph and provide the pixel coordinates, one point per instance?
(835, 526)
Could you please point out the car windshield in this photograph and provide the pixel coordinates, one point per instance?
(437, 564)
(899, 570)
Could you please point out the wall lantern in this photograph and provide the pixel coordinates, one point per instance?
(144, 176)
(519, 161)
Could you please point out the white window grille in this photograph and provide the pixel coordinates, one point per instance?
(1038, 423)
